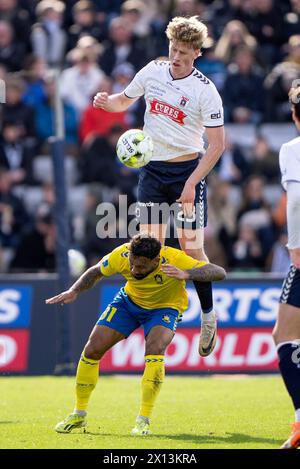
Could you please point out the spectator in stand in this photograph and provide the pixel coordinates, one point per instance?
(264, 161)
(247, 252)
(279, 261)
(96, 122)
(44, 115)
(48, 37)
(292, 19)
(35, 70)
(89, 46)
(234, 35)
(254, 211)
(122, 75)
(85, 23)
(232, 167)
(36, 252)
(211, 66)
(15, 110)
(15, 156)
(18, 17)
(122, 47)
(222, 215)
(79, 82)
(188, 8)
(225, 11)
(12, 52)
(13, 216)
(133, 11)
(95, 246)
(265, 22)
(279, 81)
(279, 212)
(243, 89)
(98, 158)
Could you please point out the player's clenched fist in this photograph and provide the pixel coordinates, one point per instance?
(101, 100)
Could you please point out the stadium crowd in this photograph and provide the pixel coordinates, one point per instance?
(252, 55)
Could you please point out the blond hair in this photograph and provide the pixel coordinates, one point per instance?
(187, 30)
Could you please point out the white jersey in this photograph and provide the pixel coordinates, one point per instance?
(289, 161)
(177, 110)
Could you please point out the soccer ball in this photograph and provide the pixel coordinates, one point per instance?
(135, 148)
(77, 262)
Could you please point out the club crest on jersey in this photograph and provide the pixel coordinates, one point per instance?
(164, 109)
(183, 101)
(166, 319)
(158, 278)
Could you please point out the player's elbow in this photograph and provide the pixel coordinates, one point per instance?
(220, 274)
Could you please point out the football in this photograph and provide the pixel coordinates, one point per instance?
(135, 148)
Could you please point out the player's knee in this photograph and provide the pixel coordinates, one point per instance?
(93, 351)
(155, 347)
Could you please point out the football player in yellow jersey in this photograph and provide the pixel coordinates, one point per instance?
(155, 290)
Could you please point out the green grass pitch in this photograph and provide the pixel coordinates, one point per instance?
(214, 412)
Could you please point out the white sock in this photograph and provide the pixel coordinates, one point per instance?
(208, 316)
(297, 415)
(81, 413)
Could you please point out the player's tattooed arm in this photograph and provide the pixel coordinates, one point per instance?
(87, 280)
(207, 273)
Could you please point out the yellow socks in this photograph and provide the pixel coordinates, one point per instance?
(153, 378)
(86, 380)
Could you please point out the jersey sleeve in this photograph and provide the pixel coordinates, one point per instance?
(136, 87)
(289, 162)
(211, 107)
(185, 262)
(111, 263)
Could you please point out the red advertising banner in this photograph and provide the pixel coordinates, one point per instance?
(14, 346)
(240, 350)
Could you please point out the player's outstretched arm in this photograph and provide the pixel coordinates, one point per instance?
(87, 280)
(113, 103)
(206, 273)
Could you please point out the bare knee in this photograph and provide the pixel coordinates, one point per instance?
(93, 351)
(155, 347)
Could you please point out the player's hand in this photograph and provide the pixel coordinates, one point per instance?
(63, 298)
(187, 200)
(100, 100)
(295, 257)
(172, 271)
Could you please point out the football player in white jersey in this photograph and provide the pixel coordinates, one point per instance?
(181, 103)
(287, 329)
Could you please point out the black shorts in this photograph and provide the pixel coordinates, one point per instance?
(290, 293)
(160, 184)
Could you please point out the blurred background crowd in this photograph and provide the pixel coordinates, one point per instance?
(252, 55)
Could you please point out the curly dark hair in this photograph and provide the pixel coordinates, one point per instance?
(145, 245)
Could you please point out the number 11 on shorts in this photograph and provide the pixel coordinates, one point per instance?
(112, 311)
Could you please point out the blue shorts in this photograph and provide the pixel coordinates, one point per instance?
(290, 293)
(160, 185)
(124, 316)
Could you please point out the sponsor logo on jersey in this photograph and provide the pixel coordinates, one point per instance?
(164, 109)
(216, 115)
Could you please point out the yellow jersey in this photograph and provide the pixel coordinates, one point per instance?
(157, 290)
